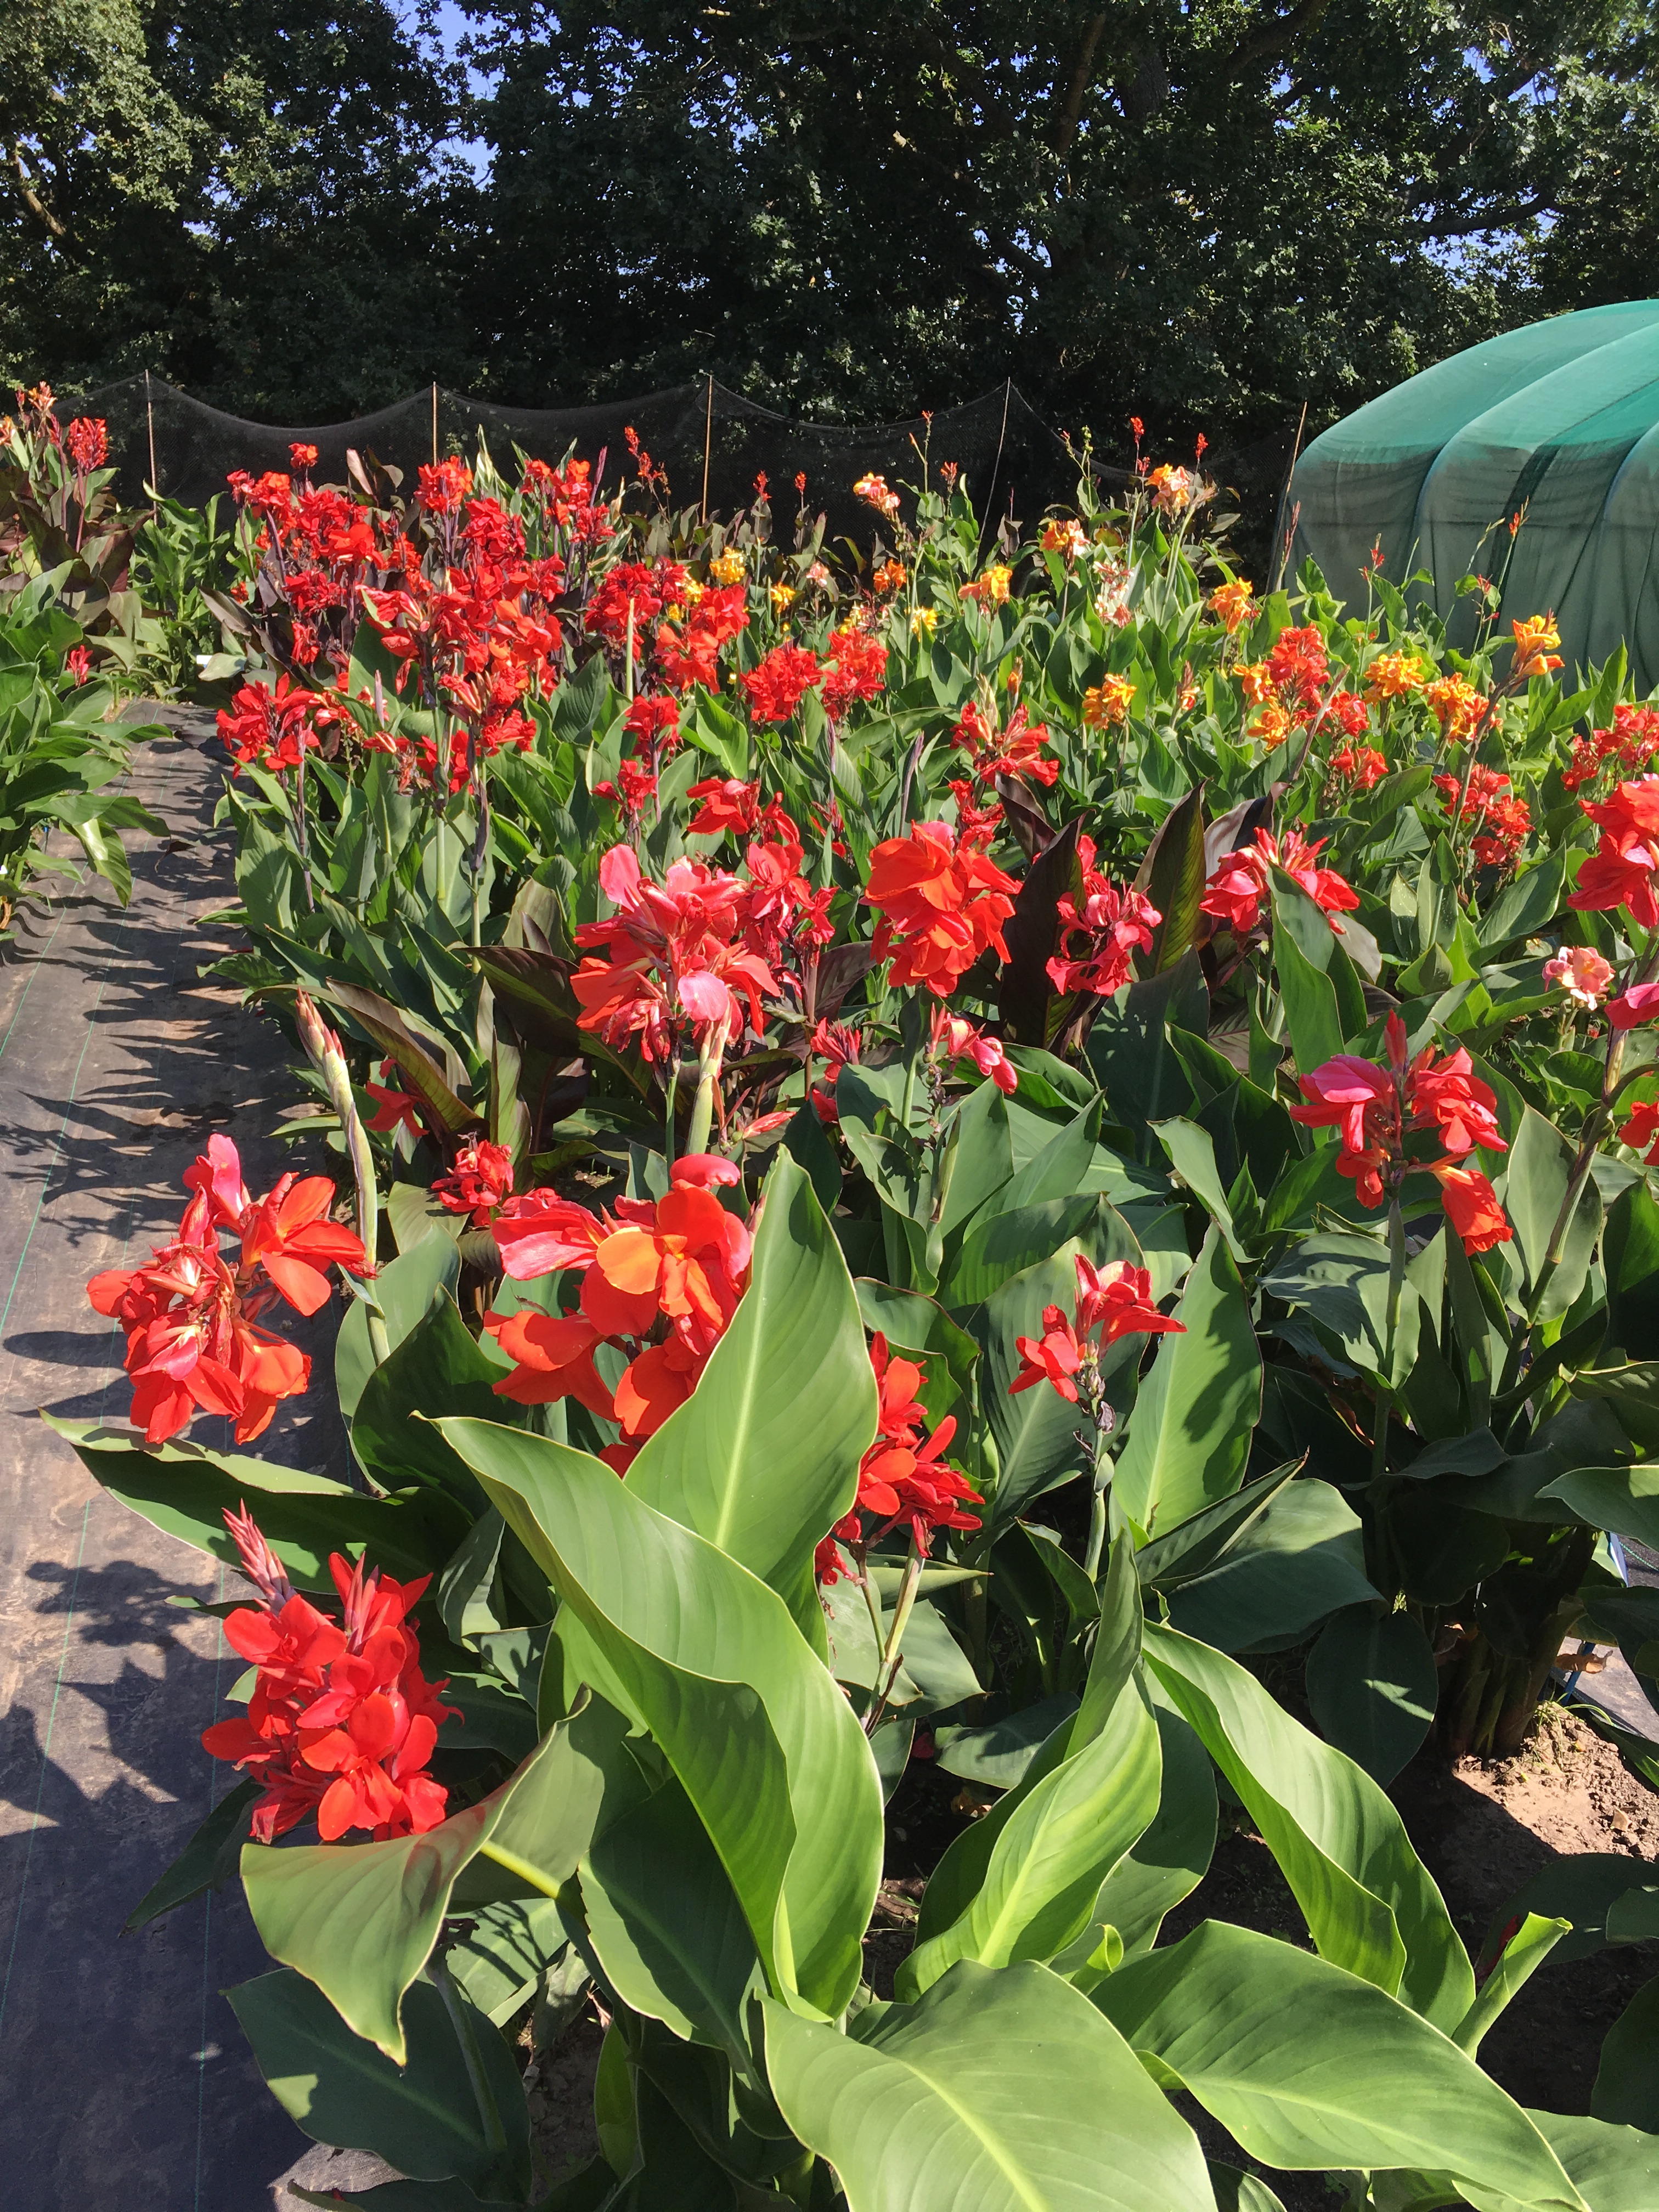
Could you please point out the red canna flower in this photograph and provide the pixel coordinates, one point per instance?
(682, 1260)
(1636, 1006)
(1362, 767)
(1242, 880)
(1471, 1206)
(1643, 1130)
(903, 1476)
(1375, 1107)
(782, 680)
(192, 1341)
(956, 1039)
(397, 1109)
(942, 903)
(78, 663)
(87, 440)
(1016, 750)
(1621, 872)
(1101, 933)
(478, 1180)
(342, 1723)
(1053, 1357)
(1113, 1301)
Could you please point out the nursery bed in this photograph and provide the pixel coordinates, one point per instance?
(126, 2076)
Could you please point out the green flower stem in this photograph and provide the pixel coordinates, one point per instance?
(494, 2132)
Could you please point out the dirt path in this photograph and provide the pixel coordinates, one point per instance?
(127, 2079)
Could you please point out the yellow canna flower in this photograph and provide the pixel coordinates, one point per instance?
(1107, 701)
(1257, 684)
(992, 587)
(1232, 605)
(728, 567)
(781, 595)
(1393, 676)
(1535, 642)
(924, 621)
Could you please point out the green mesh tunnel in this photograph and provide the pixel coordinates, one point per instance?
(1561, 420)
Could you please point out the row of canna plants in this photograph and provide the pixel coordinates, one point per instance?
(945, 1150)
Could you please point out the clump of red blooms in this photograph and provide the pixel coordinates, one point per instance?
(1620, 871)
(342, 1723)
(694, 954)
(1241, 881)
(942, 903)
(478, 1180)
(88, 441)
(190, 1316)
(902, 1477)
(1627, 749)
(834, 1043)
(953, 1038)
(1375, 1109)
(1017, 749)
(1500, 820)
(1113, 1301)
(1102, 930)
(1361, 767)
(660, 1279)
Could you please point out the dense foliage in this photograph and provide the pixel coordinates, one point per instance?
(1207, 214)
(943, 1159)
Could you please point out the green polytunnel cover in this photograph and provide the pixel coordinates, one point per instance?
(1558, 422)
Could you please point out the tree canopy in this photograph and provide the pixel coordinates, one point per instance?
(1203, 213)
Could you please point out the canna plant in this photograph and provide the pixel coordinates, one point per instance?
(948, 1154)
(630, 1753)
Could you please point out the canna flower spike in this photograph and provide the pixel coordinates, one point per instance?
(342, 1723)
(1376, 1108)
(193, 1342)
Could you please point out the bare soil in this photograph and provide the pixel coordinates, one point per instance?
(1482, 1829)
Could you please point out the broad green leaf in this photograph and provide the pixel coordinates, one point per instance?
(978, 1157)
(1525, 906)
(667, 1926)
(1189, 1435)
(762, 1458)
(405, 1287)
(1311, 1008)
(999, 1752)
(1065, 1834)
(1623, 1499)
(1342, 1284)
(1584, 1890)
(1168, 1862)
(185, 1492)
(1003, 2089)
(1520, 1960)
(1369, 1901)
(422, 2116)
(504, 1950)
(1533, 1188)
(1199, 1543)
(995, 1251)
(1615, 2169)
(1626, 2091)
(1307, 2067)
(1372, 1686)
(359, 1919)
(708, 1660)
(437, 1369)
(1238, 2191)
(1300, 1558)
(1191, 1155)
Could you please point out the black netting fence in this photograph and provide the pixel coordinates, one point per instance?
(712, 442)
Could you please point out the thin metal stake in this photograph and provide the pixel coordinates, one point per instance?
(707, 439)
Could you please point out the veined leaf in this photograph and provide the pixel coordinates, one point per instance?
(1370, 1902)
(708, 1658)
(1307, 2067)
(1189, 1435)
(999, 2090)
(762, 1458)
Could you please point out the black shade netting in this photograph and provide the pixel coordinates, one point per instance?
(712, 444)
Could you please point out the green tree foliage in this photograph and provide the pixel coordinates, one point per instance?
(1205, 214)
(252, 200)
